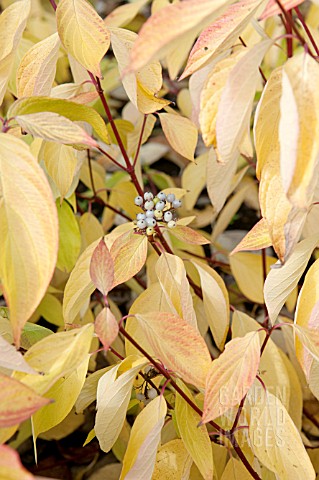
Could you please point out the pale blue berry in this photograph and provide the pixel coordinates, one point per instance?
(148, 196)
(151, 393)
(149, 213)
(141, 397)
(171, 224)
(177, 203)
(140, 216)
(170, 197)
(168, 216)
(149, 205)
(141, 224)
(161, 196)
(138, 201)
(160, 205)
(150, 222)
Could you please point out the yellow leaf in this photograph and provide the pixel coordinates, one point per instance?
(102, 268)
(69, 234)
(124, 14)
(64, 394)
(141, 87)
(79, 286)
(194, 180)
(248, 272)
(216, 302)
(236, 102)
(37, 68)
(17, 401)
(11, 467)
(55, 128)
(281, 282)
(220, 35)
(88, 392)
(12, 23)
(140, 454)
(83, 33)
(168, 333)
(180, 133)
(56, 356)
(274, 438)
(171, 274)
(50, 309)
(219, 179)
(235, 470)
(71, 110)
(299, 129)
(29, 235)
(61, 163)
(91, 229)
(113, 396)
(231, 375)
(256, 239)
(158, 35)
(285, 222)
(130, 258)
(306, 313)
(195, 439)
(172, 462)
(106, 327)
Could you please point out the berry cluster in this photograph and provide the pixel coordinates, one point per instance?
(159, 209)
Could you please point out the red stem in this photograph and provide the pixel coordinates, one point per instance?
(308, 32)
(140, 140)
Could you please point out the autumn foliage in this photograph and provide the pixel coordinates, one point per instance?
(158, 236)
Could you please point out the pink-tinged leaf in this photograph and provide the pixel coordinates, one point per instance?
(106, 327)
(273, 8)
(12, 359)
(231, 375)
(157, 36)
(17, 401)
(256, 239)
(102, 268)
(178, 345)
(221, 35)
(188, 235)
(11, 467)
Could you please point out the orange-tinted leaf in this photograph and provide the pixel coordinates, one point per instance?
(17, 401)
(178, 345)
(11, 467)
(220, 35)
(102, 268)
(106, 327)
(256, 239)
(188, 235)
(129, 259)
(231, 375)
(83, 33)
(156, 37)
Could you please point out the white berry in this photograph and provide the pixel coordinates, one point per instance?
(177, 203)
(170, 197)
(152, 393)
(148, 368)
(148, 196)
(149, 213)
(138, 201)
(171, 224)
(140, 216)
(141, 224)
(160, 205)
(168, 216)
(161, 196)
(149, 205)
(140, 397)
(150, 222)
